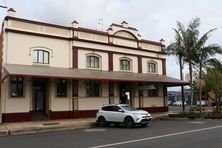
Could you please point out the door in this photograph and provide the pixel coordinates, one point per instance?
(39, 95)
(125, 93)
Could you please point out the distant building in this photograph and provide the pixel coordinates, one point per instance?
(60, 72)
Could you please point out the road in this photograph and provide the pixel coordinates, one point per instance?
(167, 134)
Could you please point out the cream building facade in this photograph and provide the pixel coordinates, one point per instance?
(60, 72)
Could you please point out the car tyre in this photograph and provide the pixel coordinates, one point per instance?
(101, 122)
(129, 122)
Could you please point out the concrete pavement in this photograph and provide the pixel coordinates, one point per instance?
(33, 127)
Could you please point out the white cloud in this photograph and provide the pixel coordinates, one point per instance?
(153, 18)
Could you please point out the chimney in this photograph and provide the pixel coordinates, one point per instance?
(124, 24)
(75, 24)
(162, 41)
(11, 12)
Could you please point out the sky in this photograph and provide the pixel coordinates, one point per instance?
(153, 18)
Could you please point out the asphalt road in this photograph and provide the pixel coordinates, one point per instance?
(167, 134)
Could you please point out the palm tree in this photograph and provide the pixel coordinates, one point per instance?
(204, 58)
(183, 47)
(176, 49)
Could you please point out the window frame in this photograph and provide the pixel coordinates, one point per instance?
(17, 83)
(153, 92)
(150, 69)
(123, 66)
(93, 89)
(44, 52)
(93, 61)
(62, 87)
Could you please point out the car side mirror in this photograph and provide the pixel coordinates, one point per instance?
(120, 110)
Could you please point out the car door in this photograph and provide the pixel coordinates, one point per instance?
(117, 114)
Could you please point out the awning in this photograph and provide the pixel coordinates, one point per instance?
(81, 74)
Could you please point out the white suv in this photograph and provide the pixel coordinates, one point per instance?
(122, 113)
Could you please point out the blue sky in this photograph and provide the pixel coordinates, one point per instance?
(153, 18)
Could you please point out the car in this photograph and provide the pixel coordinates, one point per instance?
(122, 113)
(179, 103)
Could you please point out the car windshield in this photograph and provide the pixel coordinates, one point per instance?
(128, 108)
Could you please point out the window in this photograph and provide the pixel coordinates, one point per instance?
(124, 64)
(93, 88)
(61, 88)
(92, 62)
(17, 86)
(40, 56)
(153, 92)
(152, 67)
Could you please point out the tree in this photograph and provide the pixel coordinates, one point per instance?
(203, 59)
(213, 81)
(183, 47)
(176, 49)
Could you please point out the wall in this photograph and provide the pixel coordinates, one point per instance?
(20, 52)
(82, 59)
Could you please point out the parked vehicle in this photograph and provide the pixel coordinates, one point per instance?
(179, 103)
(122, 113)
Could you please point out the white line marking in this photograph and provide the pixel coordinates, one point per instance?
(156, 137)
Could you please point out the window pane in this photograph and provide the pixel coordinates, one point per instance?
(88, 61)
(17, 86)
(35, 56)
(40, 56)
(61, 88)
(46, 57)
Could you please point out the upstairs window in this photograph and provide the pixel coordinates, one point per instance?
(152, 67)
(92, 62)
(125, 64)
(16, 86)
(40, 56)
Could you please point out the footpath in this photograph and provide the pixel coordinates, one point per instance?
(33, 127)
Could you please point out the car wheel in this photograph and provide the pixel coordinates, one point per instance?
(129, 122)
(101, 122)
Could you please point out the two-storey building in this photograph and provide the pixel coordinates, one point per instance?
(59, 72)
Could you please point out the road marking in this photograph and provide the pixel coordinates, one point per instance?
(156, 137)
(197, 122)
(95, 130)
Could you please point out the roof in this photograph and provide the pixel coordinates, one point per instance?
(81, 74)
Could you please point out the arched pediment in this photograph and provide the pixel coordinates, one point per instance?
(125, 34)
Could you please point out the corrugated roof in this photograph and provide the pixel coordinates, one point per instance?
(67, 73)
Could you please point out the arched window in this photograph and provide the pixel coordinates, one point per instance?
(40, 56)
(125, 64)
(92, 61)
(152, 67)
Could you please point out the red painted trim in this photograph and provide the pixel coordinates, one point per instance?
(131, 28)
(120, 46)
(84, 113)
(164, 66)
(35, 22)
(75, 57)
(60, 115)
(135, 38)
(140, 64)
(110, 61)
(16, 117)
(114, 52)
(79, 29)
(72, 114)
(155, 109)
(37, 34)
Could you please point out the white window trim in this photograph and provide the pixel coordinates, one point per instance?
(100, 61)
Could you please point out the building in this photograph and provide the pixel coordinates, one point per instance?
(58, 72)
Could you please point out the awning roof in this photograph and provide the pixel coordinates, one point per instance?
(67, 73)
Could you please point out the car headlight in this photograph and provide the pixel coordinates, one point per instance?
(136, 114)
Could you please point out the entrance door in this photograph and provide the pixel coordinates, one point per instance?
(39, 98)
(125, 93)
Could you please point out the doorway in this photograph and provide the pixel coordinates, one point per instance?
(125, 93)
(39, 87)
